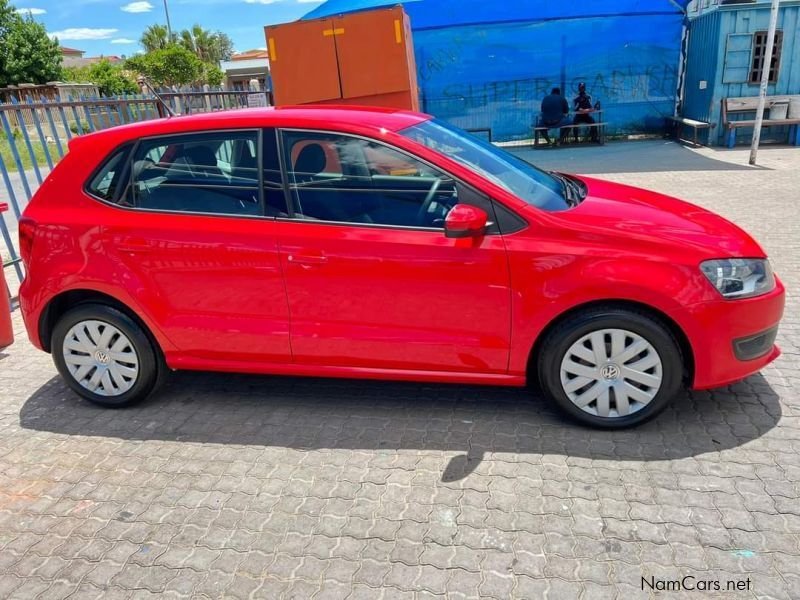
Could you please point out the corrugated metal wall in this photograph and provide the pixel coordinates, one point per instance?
(720, 47)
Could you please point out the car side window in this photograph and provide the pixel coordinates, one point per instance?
(108, 180)
(345, 179)
(215, 173)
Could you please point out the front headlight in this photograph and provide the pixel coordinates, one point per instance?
(739, 277)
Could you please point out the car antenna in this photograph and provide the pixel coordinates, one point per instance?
(145, 81)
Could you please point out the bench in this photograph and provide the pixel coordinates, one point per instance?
(680, 122)
(739, 106)
(600, 125)
(479, 130)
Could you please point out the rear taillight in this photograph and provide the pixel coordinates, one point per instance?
(27, 229)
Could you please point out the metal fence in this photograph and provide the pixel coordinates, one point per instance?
(36, 131)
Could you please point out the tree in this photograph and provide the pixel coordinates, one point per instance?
(208, 46)
(173, 65)
(156, 37)
(111, 80)
(27, 54)
(213, 75)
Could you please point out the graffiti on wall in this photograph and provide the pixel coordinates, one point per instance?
(495, 76)
(657, 83)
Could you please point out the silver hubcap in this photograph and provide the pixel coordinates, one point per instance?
(611, 373)
(101, 358)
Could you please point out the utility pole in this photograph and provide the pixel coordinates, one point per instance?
(169, 27)
(765, 69)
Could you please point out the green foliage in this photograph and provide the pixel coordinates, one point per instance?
(156, 37)
(192, 57)
(208, 46)
(214, 75)
(78, 130)
(27, 54)
(112, 80)
(173, 65)
(24, 155)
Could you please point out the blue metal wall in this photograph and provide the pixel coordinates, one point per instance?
(720, 55)
(489, 64)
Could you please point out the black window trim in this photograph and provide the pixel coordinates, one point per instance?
(278, 131)
(134, 146)
(127, 146)
(456, 180)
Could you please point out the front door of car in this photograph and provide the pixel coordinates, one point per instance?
(371, 279)
(197, 248)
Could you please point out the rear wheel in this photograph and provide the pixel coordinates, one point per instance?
(104, 356)
(611, 367)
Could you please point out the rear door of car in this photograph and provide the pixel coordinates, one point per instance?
(195, 241)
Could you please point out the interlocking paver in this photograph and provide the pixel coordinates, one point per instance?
(235, 486)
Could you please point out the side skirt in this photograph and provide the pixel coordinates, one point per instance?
(302, 370)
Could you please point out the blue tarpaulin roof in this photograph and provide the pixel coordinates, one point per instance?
(487, 64)
(443, 13)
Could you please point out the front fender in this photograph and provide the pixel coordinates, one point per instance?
(545, 287)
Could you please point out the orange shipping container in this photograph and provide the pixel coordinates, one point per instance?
(358, 58)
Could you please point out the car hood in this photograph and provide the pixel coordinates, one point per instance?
(645, 216)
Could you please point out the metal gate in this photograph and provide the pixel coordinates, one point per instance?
(36, 131)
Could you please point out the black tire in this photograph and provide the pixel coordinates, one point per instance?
(561, 338)
(151, 367)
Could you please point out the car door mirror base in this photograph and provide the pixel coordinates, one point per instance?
(465, 221)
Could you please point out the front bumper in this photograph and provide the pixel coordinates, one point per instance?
(732, 339)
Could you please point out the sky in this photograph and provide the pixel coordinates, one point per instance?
(113, 27)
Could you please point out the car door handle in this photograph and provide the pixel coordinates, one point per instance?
(134, 245)
(307, 259)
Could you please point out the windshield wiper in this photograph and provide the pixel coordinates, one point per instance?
(574, 190)
(569, 189)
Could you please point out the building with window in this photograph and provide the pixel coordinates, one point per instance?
(244, 67)
(71, 56)
(727, 54)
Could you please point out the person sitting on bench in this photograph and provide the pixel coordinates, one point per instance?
(583, 108)
(555, 114)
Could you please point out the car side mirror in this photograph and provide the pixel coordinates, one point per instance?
(465, 221)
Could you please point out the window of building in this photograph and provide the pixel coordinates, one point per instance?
(759, 57)
(347, 179)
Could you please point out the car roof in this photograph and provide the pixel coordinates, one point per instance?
(334, 117)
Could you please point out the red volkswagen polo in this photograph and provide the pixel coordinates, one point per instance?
(372, 243)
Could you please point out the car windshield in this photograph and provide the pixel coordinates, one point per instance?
(534, 186)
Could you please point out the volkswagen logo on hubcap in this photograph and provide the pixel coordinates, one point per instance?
(101, 356)
(610, 372)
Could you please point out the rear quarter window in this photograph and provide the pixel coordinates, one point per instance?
(106, 181)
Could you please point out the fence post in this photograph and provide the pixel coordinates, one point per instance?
(88, 114)
(26, 138)
(78, 124)
(176, 99)
(12, 252)
(127, 104)
(42, 138)
(53, 130)
(15, 153)
(207, 97)
(6, 328)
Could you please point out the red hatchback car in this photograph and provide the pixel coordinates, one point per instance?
(360, 242)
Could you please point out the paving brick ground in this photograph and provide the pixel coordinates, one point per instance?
(235, 486)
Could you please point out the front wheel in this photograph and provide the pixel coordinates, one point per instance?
(611, 368)
(105, 356)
